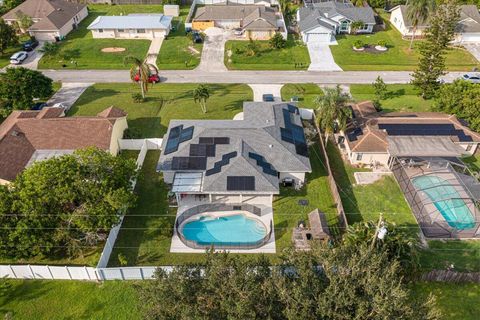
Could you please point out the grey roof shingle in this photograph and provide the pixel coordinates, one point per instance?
(259, 132)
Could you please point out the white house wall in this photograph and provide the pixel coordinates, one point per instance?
(396, 18)
(129, 34)
(369, 158)
(297, 176)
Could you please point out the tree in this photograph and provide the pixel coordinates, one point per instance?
(432, 61)
(50, 48)
(140, 72)
(355, 26)
(23, 21)
(19, 86)
(460, 98)
(332, 110)
(381, 91)
(8, 37)
(201, 95)
(277, 41)
(418, 12)
(65, 204)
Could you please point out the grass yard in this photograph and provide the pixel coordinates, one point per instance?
(473, 162)
(79, 45)
(401, 97)
(306, 93)
(164, 102)
(63, 300)
(455, 301)
(463, 254)
(364, 203)
(178, 52)
(294, 57)
(397, 58)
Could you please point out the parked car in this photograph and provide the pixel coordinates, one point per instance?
(19, 57)
(153, 78)
(472, 77)
(39, 106)
(196, 37)
(268, 97)
(238, 32)
(30, 45)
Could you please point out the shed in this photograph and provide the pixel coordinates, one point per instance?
(171, 10)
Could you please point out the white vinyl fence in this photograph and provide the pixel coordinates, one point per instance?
(129, 273)
(48, 272)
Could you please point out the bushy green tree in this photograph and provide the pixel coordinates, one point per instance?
(19, 86)
(50, 48)
(432, 61)
(462, 99)
(380, 88)
(8, 36)
(277, 41)
(200, 95)
(65, 203)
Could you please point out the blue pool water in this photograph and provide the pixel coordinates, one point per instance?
(455, 211)
(229, 230)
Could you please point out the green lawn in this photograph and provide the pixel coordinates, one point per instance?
(398, 57)
(463, 254)
(164, 102)
(455, 301)
(473, 162)
(178, 52)
(366, 202)
(64, 300)
(86, 51)
(401, 97)
(294, 57)
(306, 93)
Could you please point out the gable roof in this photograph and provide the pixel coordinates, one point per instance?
(24, 133)
(255, 142)
(150, 21)
(53, 14)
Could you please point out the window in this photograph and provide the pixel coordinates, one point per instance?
(120, 30)
(359, 156)
(140, 30)
(469, 147)
(100, 30)
(365, 27)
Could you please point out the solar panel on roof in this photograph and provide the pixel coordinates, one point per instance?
(176, 136)
(241, 183)
(293, 133)
(189, 163)
(222, 140)
(427, 129)
(205, 140)
(217, 167)
(261, 162)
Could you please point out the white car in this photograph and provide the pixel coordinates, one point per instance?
(472, 77)
(19, 57)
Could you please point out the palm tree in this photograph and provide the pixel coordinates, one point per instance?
(140, 71)
(332, 110)
(418, 12)
(201, 95)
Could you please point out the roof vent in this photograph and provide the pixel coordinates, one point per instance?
(15, 133)
(271, 146)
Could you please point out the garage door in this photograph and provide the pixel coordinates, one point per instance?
(44, 36)
(319, 37)
(470, 38)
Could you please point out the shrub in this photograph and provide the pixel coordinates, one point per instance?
(277, 41)
(358, 44)
(382, 43)
(122, 259)
(132, 133)
(137, 98)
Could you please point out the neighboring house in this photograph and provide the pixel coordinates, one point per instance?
(375, 138)
(320, 22)
(256, 21)
(52, 19)
(133, 26)
(236, 160)
(29, 136)
(468, 28)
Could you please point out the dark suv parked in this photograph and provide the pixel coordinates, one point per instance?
(30, 45)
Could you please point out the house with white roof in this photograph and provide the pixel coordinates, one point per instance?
(132, 26)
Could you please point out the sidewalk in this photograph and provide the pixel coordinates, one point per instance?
(154, 50)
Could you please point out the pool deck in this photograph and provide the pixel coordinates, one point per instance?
(177, 246)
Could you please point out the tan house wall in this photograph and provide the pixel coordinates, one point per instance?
(4, 182)
(117, 133)
(369, 158)
(202, 25)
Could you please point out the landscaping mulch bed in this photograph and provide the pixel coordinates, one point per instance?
(370, 49)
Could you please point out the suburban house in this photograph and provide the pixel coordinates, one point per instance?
(376, 138)
(132, 26)
(224, 159)
(29, 136)
(468, 28)
(321, 21)
(52, 19)
(256, 21)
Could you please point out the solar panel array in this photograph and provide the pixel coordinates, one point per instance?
(217, 167)
(261, 162)
(243, 183)
(293, 133)
(354, 134)
(428, 129)
(202, 150)
(177, 135)
(214, 140)
(189, 163)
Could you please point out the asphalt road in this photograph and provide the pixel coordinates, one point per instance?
(250, 77)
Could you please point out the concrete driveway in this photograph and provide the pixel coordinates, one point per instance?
(474, 49)
(321, 57)
(260, 89)
(68, 94)
(214, 50)
(33, 58)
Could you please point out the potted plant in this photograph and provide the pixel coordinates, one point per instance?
(358, 45)
(381, 45)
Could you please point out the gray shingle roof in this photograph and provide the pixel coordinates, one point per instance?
(259, 132)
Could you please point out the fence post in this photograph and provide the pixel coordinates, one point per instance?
(86, 271)
(68, 271)
(121, 273)
(141, 273)
(50, 272)
(31, 271)
(13, 271)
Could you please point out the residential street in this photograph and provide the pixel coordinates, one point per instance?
(249, 77)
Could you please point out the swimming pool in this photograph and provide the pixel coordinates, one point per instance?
(454, 210)
(235, 229)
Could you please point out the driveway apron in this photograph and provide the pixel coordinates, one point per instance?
(321, 57)
(213, 51)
